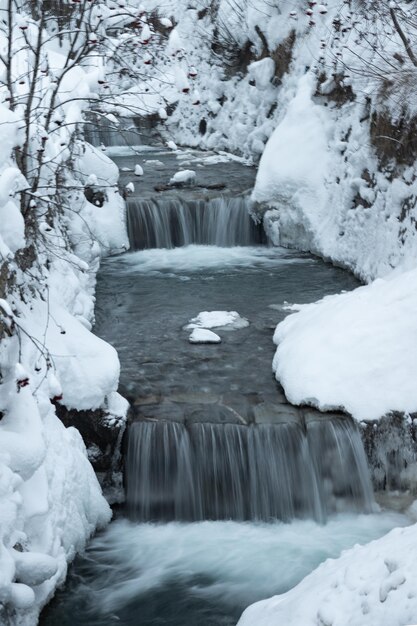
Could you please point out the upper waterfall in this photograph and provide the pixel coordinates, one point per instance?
(173, 221)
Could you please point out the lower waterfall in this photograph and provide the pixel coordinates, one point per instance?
(257, 472)
(172, 222)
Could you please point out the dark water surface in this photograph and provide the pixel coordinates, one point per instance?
(145, 298)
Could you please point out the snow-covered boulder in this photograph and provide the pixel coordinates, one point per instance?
(229, 320)
(184, 177)
(202, 335)
(353, 350)
(368, 585)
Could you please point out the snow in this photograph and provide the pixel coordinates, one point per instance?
(33, 568)
(371, 584)
(166, 22)
(86, 372)
(262, 72)
(202, 335)
(353, 350)
(183, 177)
(138, 170)
(228, 320)
(50, 499)
(319, 177)
(294, 164)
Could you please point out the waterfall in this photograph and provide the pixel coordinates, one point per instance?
(201, 471)
(168, 223)
(103, 132)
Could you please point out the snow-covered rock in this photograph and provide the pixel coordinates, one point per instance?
(184, 177)
(353, 350)
(229, 320)
(202, 335)
(367, 585)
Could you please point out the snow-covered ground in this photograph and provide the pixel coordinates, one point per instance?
(50, 499)
(49, 355)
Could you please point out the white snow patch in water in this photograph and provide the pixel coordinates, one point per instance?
(202, 335)
(229, 320)
(183, 177)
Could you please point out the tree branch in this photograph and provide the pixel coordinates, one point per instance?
(403, 37)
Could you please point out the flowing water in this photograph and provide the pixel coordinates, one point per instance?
(200, 574)
(170, 223)
(237, 472)
(232, 494)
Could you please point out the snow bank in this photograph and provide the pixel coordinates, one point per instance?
(108, 220)
(50, 499)
(295, 164)
(353, 350)
(372, 584)
(44, 520)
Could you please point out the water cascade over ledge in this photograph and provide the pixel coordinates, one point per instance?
(171, 222)
(203, 471)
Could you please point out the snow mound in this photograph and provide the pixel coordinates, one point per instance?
(353, 350)
(294, 164)
(371, 584)
(229, 320)
(202, 335)
(183, 177)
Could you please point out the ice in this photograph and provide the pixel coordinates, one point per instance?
(202, 335)
(138, 170)
(228, 320)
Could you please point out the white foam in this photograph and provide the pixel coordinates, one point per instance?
(236, 563)
(195, 258)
